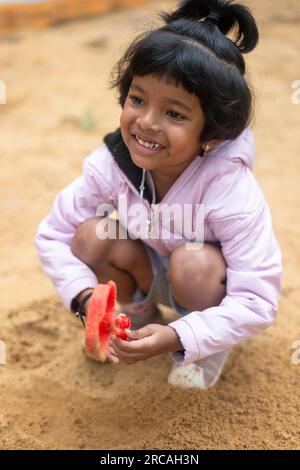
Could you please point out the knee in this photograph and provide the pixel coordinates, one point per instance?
(195, 266)
(85, 244)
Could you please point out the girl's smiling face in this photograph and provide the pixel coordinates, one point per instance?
(161, 125)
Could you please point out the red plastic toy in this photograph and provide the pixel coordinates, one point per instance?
(103, 321)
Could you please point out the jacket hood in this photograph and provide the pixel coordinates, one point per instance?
(240, 149)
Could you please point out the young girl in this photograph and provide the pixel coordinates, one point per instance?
(184, 140)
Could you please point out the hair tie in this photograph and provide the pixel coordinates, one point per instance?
(213, 18)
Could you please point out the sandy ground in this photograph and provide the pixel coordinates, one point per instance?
(51, 395)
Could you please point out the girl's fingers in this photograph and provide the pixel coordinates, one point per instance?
(112, 353)
(131, 347)
(129, 358)
(116, 355)
(111, 356)
(111, 348)
(112, 359)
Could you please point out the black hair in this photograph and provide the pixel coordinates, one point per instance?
(192, 50)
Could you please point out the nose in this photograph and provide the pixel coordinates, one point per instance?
(147, 120)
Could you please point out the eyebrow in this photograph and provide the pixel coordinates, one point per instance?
(170, 100)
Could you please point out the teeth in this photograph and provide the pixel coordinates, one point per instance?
(148, 145)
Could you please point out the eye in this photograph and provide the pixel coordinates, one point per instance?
(135, 100)
(176, 116)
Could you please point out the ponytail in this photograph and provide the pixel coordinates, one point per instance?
(225, 15)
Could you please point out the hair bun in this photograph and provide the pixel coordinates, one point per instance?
(226, 15)
(213, 18)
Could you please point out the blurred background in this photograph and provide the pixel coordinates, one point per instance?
(55, 63)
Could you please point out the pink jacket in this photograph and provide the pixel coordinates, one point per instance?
(236, 215)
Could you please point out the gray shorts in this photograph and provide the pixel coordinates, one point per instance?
(160, 289)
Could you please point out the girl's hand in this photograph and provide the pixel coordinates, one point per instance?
(146, 342)
(111, 355)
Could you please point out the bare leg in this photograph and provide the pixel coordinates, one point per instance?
(197, 278)
(124, 261)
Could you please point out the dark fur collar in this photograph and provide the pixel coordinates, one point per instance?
(115, 144)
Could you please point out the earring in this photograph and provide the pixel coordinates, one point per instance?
(205, 148)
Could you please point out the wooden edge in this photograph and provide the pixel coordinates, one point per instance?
(45, 14)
